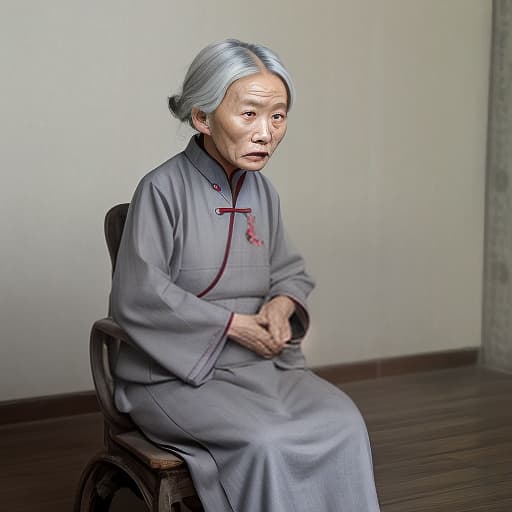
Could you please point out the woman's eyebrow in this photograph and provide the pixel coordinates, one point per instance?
(253, 102)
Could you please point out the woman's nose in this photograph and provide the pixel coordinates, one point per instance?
(262, 133)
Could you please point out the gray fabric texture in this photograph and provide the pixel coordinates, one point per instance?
(257, 434)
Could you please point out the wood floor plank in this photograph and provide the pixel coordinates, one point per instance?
(442, 442)
(40, 462)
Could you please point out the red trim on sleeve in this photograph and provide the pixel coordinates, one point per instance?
(302, 313)
(209, 350)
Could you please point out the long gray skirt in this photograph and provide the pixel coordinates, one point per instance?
(257, 438)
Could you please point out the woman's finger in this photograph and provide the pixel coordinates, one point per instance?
(286, 332)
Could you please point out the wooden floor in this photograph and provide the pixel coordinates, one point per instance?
(442, 442)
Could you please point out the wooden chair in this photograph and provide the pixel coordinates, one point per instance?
(128, 459)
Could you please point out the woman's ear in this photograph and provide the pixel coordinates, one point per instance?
(200, 121)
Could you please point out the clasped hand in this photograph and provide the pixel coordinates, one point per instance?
(267, 332)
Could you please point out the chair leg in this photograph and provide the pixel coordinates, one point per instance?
(98, 485)
(172, 491)
(193, 503)
(97, 491)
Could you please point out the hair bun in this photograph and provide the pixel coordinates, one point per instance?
(174, 105)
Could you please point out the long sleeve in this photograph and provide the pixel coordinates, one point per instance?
(288, 276)
(172, 328)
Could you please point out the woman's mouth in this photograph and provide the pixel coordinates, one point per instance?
(256, 155)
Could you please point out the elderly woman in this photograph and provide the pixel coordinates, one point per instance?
(213, 296)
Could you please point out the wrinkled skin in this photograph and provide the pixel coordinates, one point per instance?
(246, 128)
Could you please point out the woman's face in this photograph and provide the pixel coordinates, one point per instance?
(249, 124)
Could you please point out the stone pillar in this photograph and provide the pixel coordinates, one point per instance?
(497, 279)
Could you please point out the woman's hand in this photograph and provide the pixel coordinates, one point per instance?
(276, 314)
(250, 331)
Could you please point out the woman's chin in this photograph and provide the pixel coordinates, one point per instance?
(253, 164)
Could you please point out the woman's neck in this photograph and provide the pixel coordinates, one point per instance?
(207, 144)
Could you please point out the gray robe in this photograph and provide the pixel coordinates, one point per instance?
(257, 434)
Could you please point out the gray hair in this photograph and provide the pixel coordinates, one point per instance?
(216, 67)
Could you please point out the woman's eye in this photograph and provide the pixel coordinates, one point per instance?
(277, 117)
(249, 114)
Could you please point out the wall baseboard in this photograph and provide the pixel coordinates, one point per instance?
(70, 404)
(50, 406)
(387, 367)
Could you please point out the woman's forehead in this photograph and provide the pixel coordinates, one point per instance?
(259, 90)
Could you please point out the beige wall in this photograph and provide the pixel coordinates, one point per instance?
(381, 174)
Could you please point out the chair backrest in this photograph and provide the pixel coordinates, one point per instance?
(103, 346)
(114, 225)
(113, 229)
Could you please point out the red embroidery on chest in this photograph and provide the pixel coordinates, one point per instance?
(251, 235)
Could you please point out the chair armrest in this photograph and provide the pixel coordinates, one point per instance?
(111, 328)
(106, 334)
